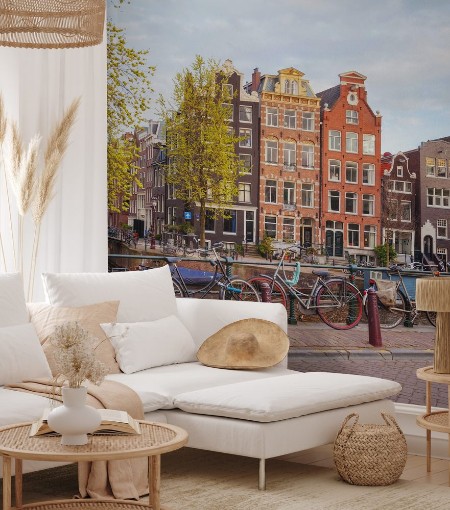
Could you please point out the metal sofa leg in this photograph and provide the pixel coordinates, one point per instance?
(262, 475)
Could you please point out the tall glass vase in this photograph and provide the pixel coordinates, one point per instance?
(74, 419)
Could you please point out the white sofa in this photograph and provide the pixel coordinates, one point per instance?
(256, 413)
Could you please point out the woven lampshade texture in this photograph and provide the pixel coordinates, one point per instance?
(433, 294)
(51, 23)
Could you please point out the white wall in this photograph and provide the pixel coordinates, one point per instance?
(37, 86)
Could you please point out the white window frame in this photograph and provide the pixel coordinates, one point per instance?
(370, 201)
(308, 121)
(271, 189)
(288, 193)
(404, 203)
(307, 155)
(370, 236)
(351, 142)
(247, 142)
(334, 167)
(244, 158)
(351, 232)
(351, 166)
(234, 213)
(439, 197)
(272, 116)
(290, 119)
(229, 108)
(353, 197)
(352, 117)
(399, 171)
(334, 140)
(272, 223)
(307, 195)
(289, 155)
(229, 88)
(288, 228)
(271, 150)
(245, 192)
(243, 113)
(369, 144)
(336, 194)
(368, 174)
(441, 230)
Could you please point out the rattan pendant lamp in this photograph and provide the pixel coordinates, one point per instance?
(51, 23)
(433, 294)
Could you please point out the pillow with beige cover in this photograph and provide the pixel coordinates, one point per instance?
(46, 317)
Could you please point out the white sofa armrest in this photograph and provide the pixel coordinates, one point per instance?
(203, 317)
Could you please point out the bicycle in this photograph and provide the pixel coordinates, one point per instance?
(334, 299)
(394, 302)
(231, 288)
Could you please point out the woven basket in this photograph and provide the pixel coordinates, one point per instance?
(370, 454)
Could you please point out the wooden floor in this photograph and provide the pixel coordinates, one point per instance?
(415, 469)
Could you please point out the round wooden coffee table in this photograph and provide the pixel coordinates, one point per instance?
(155, 439)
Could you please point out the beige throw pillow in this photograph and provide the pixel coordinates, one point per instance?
(46, 317)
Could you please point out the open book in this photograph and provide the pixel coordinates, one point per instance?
(113, 422)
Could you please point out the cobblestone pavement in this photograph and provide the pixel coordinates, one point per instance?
(317, 348)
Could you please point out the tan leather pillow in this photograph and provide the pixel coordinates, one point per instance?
(46, 317)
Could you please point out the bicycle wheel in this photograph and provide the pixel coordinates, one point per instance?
(277, 293)
(431, 316)
(239, 290)
(390, 317)
(339, 304)
(178, 290)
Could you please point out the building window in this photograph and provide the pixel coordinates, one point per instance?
(171, 215)
(353, 235)
(171, 191)
(351, 203)
(368, 176)
(437, 197)
(392, 210)
(399, 171)
(351, 117)
(351, 172)
(244, 192)
(289, 155)
(369, 144)
(334, 173)
(270, 192)
(368, 205)
(271, 151)
(308, 121)
(441, 170)
(245, 113)
(290, 119)
(351, 142)
(270, 226)
(430, 167)
(334, 140)
(307, 195)
(246, 135)
(290, 87)
(229, 222)
(308, 156)
(334, 201)
(229, 110)
(370, 236)
(272, 117)
(442, 229)
(289, 193)
(228, 90)
(246, 161)
(210, 221)
(288, 229)
(405, 210)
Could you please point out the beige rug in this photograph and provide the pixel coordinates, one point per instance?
(199, 480)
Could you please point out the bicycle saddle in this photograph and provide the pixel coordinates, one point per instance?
(322, 274)
(172, 260)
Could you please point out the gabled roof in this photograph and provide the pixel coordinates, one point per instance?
(329, 96)
(349, 75)
(292, 71)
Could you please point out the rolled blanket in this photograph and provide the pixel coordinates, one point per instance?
(120, 479)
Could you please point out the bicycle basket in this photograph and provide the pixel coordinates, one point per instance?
(386, 292)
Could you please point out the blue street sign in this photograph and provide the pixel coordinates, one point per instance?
(187, 215)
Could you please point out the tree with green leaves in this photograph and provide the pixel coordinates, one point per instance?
(201, 160)
(128, 88)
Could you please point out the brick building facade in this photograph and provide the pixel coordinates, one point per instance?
(350, 177)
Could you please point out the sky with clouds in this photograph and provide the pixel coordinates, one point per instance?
(402, 46)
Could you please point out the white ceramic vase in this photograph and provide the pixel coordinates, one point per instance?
(74, 419)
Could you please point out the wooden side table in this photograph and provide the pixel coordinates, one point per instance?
(438, 421)
(155, 439)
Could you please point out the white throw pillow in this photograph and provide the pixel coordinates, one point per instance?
(142, 345)
(143, 295)
(13, 309)
(21, 355)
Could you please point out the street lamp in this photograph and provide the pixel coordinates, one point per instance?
(154, 203)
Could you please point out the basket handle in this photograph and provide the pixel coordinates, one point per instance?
(347, 419)
(390, 420)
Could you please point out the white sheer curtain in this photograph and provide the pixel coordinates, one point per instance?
(37, 86)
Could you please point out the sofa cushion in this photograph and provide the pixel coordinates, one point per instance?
(141, 345)
(13, 309)
(20, 406)
(143, 295)
(46, 318)
(157, 387)
(288, 396)
(21, 355)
